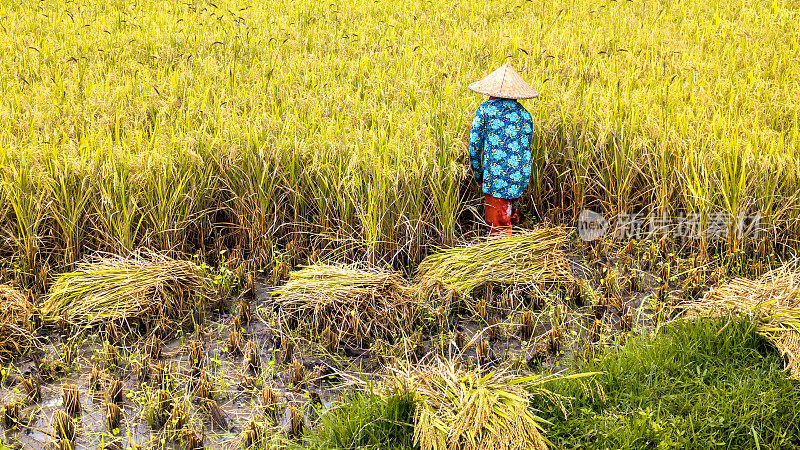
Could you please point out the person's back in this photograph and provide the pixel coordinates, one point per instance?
(500, 141)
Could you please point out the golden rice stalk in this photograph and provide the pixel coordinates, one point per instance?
(163, 375)
(296, 426)
(296, 374)
(33, 389)
(153, 346)
(16, 325)
(250, 434)
(253, 357)
(245, 313)
(110, 356)
(178, 417)
(9, 415)
(468, 410)
(235, 344)
(287, 347)
(216, 415)
(63, 425)
(191, 440)
(484, 353)
(360, 304)
(255, 435)
(157, 409)
(141, 365)
(196, 358)
(115, 392)
(772, 302)
(71, 400)
(112, 417)
(204, 388)
(526, 257)
(95, 380)
(68, 355)
(114, 289)
(270, 399)
(527, 325)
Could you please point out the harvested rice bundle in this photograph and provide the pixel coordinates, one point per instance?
(772, 302)
(532, 256)
(468, 410)
(16, 326)
(116, 289)
(361, 305)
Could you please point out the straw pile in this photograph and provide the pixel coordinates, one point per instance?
(457, 409)
(146, 287)
(772, 302)
(527, 257)
(353, 306)
(16, 326)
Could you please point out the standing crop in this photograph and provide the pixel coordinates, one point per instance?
(233, 124)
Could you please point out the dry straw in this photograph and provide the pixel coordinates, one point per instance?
(118, 290)
(772, 302)
(527, 257)
(360, 304)
(459, 409)
(16, 325)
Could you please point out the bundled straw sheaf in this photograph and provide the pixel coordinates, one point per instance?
(357, 305)
(16, 325)
(114, 289)
(772, 302)
(526, 257)
(458, 409)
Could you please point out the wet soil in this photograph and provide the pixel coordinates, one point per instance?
(559, 330)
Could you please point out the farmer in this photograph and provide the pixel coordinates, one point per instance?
(499, 146)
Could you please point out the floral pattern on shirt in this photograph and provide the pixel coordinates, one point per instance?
(500, 147)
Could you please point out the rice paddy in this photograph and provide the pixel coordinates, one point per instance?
(239, 224)
(255, 127)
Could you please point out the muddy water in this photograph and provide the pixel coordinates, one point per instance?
(237, 396)
(237, 391)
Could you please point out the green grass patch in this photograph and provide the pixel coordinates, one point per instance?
(366, 420)
(700, 384)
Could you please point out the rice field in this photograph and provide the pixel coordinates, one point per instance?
(268, 127)
(239, 224)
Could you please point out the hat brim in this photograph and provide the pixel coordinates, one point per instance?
(504, 82)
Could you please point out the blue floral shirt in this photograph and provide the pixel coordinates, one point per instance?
(500, 147)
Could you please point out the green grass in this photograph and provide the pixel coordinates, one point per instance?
(367, 420)
(699, 384)
(694, 385)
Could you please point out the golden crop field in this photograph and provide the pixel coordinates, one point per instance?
(271, 127)
(254, 224)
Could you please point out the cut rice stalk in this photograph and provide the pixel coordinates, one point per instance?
(772, 302)
(469, 410)
(118, 290)
(532, 257)
(16, 324)
(361, 304)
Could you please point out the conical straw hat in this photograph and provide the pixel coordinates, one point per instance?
(504, 82)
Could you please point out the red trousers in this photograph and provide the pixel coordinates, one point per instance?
(500, 214)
